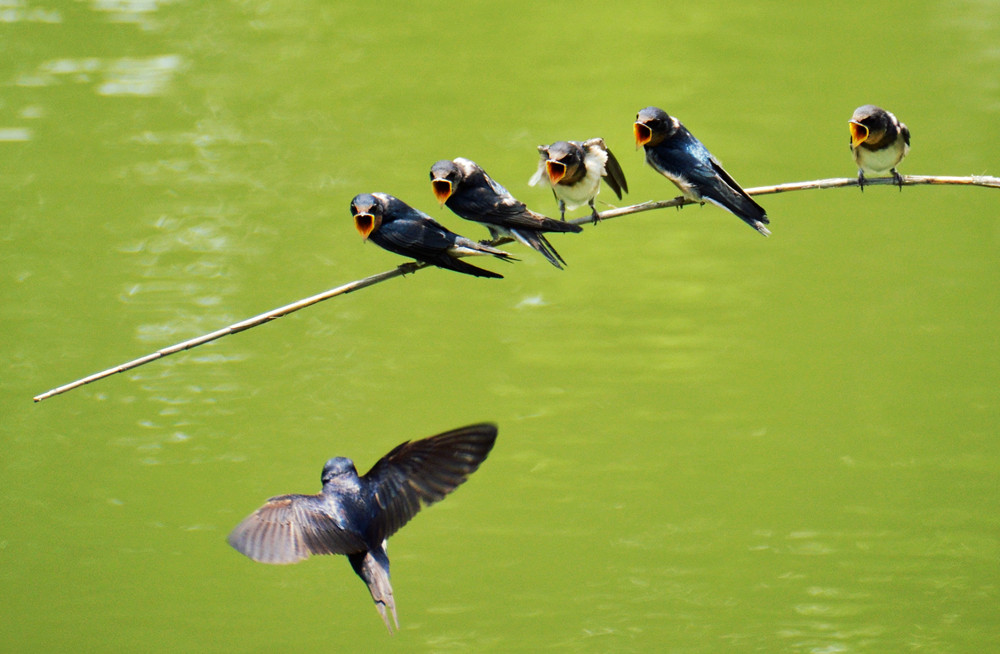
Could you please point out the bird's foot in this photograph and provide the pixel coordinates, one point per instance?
(898, 179)
(409, 267)
(861, 181)
(595, 217)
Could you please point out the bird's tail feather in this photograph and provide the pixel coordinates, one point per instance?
(373, 568)
(744, 207)
(537, 241)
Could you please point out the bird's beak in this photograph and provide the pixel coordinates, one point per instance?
(642, 134)
(859, 133)
(366, 224)
(556, 170)
(442, 189)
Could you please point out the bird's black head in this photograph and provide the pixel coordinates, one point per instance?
(445, 177)
(868, 125)
(367, 212)
(563, 159)
(652, 125)
(339, 467)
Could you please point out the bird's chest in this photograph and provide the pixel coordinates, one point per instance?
(882, 160)
(581, 191)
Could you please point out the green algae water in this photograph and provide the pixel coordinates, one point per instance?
(709, 441)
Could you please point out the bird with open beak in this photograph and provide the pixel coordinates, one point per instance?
(574, 170)
(675, 153)
(475, 196)
(355, 515)
(878, 142)
(396, 226)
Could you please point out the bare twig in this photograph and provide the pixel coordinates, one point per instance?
(412, 267)
(403, 269)
(834, 182)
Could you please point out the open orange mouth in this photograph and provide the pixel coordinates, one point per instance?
(366, 224)
(643, 134)
(442, 189)
(859, 133)
(556, 170)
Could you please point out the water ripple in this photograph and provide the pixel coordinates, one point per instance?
(123, 76)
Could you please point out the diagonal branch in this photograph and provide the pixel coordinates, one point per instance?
(413, 266)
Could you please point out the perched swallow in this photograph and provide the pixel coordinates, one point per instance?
(398, 227)
(677, 155)
(355, 515)
(878, 142)
(574, 171)
(473, 195)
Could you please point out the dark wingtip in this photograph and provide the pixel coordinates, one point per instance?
(467, 268)
(553, 225)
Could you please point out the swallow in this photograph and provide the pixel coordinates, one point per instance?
(396, 226)
(878, 142)
(355, 515)
(574, 170)
(676, 154)
(473, 195)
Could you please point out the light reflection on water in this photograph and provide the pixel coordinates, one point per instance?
(125, 76)
(18, 11)
(682, 463)
(15, 133)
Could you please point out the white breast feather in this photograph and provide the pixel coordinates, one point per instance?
(587, 188)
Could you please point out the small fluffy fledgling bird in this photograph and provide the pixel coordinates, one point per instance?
(574, 170)
(878, 142)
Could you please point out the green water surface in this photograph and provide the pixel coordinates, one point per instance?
(709, 441)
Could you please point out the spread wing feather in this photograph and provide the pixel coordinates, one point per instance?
(419, 473)
(289, 528)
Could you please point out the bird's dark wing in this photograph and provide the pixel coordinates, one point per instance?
(452, 263)
(715, 183)
(416, 238)
(737, 201)
(429, 242)
(484, 200)
(497, 187)
(289, 528)
(419, 473)
(614, 175)
(682, 158)
(906, 133)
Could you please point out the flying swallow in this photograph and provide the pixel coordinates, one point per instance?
(355, 515)
(396, 226)
(677, 155)
(474, 195)
(878, 142)
(574, 171)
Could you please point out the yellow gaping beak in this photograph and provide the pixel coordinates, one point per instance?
(642, 134)
(859, 133)
(366, 224)
(442, 189)
(556, 170)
